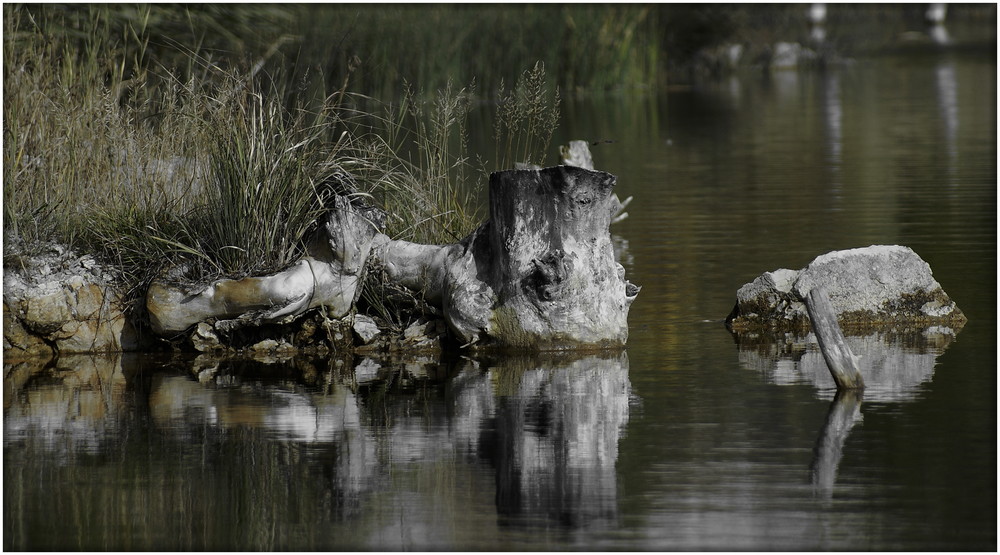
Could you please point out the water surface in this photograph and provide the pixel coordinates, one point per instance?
(688, 440)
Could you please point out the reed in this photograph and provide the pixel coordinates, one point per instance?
(428, 135)
(212, 175)
(526, 117)
(592, 47)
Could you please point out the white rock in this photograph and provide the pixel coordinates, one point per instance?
(365, 328)
(882, 283)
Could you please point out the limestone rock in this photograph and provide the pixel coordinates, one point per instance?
(871, 286)
(204, 338)
(55, 301)
(18, 342)
(424, 335)
(265, 345)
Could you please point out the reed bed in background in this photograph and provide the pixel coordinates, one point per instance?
(585, 47)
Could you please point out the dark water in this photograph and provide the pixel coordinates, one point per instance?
(687, 440)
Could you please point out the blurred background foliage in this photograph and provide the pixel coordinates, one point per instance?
(584, 47)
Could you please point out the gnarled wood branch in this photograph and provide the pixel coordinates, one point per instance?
(329, 275)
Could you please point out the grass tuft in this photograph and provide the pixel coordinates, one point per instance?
(526, 118)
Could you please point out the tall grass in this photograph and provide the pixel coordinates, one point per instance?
(258, 181)
(221, 169)
(429, 133)
(210, 176)
(591, 47)
(526, 118)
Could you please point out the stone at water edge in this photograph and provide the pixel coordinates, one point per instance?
(871, 286)
(58, 302)
(365, 328)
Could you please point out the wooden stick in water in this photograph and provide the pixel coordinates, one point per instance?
(842, 362)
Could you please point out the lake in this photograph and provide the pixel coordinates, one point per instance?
(688, 440)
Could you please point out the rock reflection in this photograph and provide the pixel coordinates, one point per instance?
(894, 367)
(70, 405)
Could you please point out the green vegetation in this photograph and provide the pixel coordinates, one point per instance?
(154, 172)
(588, 47)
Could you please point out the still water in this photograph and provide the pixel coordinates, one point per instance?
(687, 440)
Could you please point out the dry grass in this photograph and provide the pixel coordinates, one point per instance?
(219, 169)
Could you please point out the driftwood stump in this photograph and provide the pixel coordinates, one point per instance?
(839, 358)
(539, 274)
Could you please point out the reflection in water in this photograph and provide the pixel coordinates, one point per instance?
(393, 456)
(554, 440)
(947, 90)
(834, 131)
(787, 86)
(73, 405)
(845, 411)
(939, 34)
(718, 460)
(894, 366)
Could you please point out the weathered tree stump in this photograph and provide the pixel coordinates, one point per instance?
(539, 274)
(577, 153)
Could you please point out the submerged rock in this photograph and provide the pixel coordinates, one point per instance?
(868, 287)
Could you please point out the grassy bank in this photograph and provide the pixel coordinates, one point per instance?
(161, 160)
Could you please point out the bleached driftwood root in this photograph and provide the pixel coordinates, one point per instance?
(329, 275)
